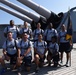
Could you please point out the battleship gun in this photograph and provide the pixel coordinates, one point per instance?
(49, 15)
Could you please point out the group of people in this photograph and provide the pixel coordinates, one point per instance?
(18, 46)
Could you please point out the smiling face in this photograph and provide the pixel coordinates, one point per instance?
(63, 28)
(9, 35)
(50, 26)
(40, 36)
(38, 25)
(25, 36)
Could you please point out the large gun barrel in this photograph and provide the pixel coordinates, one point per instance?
(50, 16)
(21, 10)
(39, 9)
(22, 17)
(36, 18)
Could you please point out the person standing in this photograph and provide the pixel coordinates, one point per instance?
(49, 33)
(14, 29)
(37, 32)
(27, 30)
(64, 45)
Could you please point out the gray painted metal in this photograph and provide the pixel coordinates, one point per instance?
(2, 38)
(24, 18)
(63, 20)
(38, 8)
(21, 10)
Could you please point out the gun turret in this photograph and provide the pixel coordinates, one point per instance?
(21, 10)
(36, 18)
(50, 16)
(22, 17)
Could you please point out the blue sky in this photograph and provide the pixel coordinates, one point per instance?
(53, 5)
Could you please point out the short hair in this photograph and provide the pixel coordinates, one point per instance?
(50, 24)
(9, 32)
(24, 33)
(39, 23)
(11, 20)
(40, 34)
(54, 37)
(25, 22)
